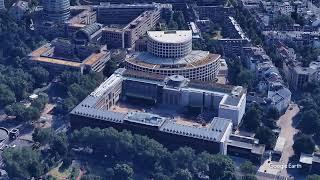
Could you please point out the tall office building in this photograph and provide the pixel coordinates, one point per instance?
(56, 10)
(2, 7)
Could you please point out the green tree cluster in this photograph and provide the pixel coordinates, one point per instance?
(16, 79)
(16, 42)
(40, 75)
(77, 86)
(22, 163)
(16, 83)
(25, 113)
(110, 67)
(58, 142)
(25, 162)
(256, 120)
(247, 23)
(309, 118)
(22, 112)
(303, 144)
(239, 75)
(127, 153)
(177, 21)
(313, 177)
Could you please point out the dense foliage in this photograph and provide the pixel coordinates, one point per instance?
(16, 42)
(303, 144)
(308, 119)
(261, 122)
(17, 81)
(126, 151)
(77, 87)
(122, 155)
(23, 162)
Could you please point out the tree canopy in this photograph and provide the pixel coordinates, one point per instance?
(22, 162)
(150, 156)
(303, 144)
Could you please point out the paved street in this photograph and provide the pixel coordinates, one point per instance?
(287, 131)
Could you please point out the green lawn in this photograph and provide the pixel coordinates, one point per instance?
(62, 174)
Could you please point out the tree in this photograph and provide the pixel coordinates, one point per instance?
(76, 91)
(235, 67)
(247, 168)
(110, 67)
(249, 177)
(6, 95)
(66, 162)
(221, 168)
(183, 157)
(266, 136)
(43, 136)
(16, 109)
(178, 17)
(313, 177)
(31, 114)
(182, 174)
(252, 119)
(310, 121)
(67, 105)
(123, 171)
(16, 42)
(40, 74)
(59, 144)
(245, 78)
(22, 112)
(69, 77)
(303, 144)
(40, 102)
(148, 154)
(273, 113)
(22, 162)
(229, 176)
(201, 164)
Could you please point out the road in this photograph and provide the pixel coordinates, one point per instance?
(268, 170)
(288, 131)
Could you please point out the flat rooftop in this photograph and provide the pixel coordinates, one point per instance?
(169, 112)
(214, 132)
(167, 120)
(145, 118)
(306, 158)
(171, 119)
(52, 60)
(171, 37)
(232, 100)
(40, 55)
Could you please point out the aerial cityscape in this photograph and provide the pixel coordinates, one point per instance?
(160, 89)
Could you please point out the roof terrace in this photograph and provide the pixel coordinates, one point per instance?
(145, 118)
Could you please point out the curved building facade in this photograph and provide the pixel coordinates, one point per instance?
(170, 44)
(56, 10)
(170, 53)
(205, 68)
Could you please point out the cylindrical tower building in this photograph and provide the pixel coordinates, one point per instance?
(170, 44)
(56, 10)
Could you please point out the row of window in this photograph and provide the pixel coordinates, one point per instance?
(206, 73)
